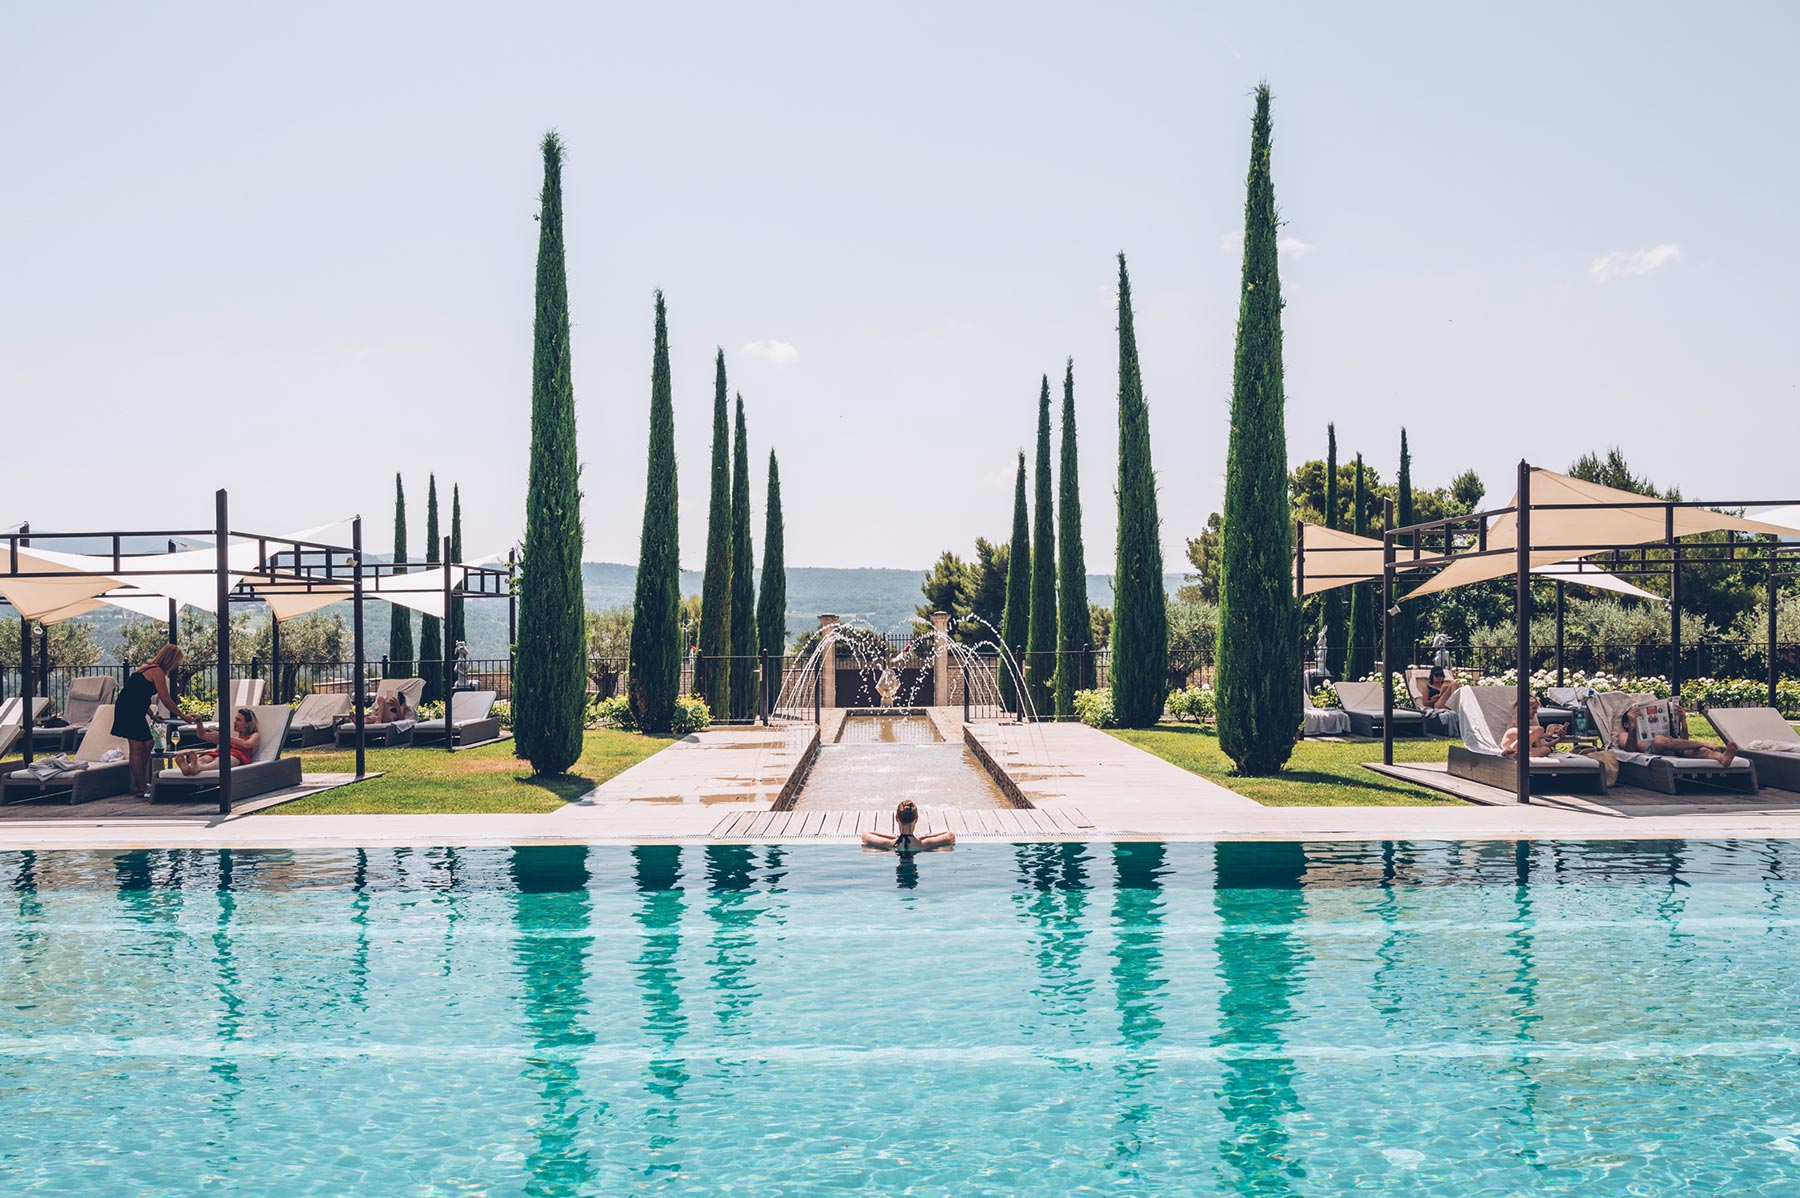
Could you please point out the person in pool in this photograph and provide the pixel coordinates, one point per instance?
(245, 740)
(904, 839)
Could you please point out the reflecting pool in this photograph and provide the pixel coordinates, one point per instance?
(1137, 1018)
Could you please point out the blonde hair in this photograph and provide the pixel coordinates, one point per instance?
(167, 658)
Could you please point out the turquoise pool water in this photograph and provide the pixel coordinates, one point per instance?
(1249, 1019)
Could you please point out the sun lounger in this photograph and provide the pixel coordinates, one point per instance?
(473, 712)
(267, 771)
(1441, 721)
(97, 779)
(85, 694)
(1485, 713)
(12, 712)
(1321, 721)
(1655, 771)
(245, 692)
(393, 733)
(316, 720)
(1768, 740)
(1362, 703)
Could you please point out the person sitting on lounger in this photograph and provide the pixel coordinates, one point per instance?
(245, 740)
(1671, 746)
(1543, 740)
(391, 708)
(1438, 689)
(904, 839)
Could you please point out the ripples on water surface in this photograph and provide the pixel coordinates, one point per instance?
(1255, 1019)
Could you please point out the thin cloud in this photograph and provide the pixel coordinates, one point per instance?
(1627, 264)
(1233, 243)
(775, 353)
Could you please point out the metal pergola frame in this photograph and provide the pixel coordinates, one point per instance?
(296, 566)
(1464, 537)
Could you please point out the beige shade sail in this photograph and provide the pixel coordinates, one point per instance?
(1595, 515)
(132, 600)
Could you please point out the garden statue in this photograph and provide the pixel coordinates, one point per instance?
(460, 680)
(1320, 652)
(888, 685)
(1440, 650)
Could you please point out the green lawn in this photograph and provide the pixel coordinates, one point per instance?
(480, 781)
(1319, 774)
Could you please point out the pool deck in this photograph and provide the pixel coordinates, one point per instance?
(700, 790)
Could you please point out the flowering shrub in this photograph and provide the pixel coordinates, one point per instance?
(1542, 680)
(611, 713)
(1193, 705)
(1326, 697)
(1700, 693)
(1095, 708)
(691, 715)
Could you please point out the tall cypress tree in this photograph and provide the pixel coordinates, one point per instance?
(1337, 635)
(1074, 664)
(1139, 662)
(743, 580)
(1361, 661)
(550, 678)
(655, 665)
(771, 598)
(1015, 619)
(1405, 636)
(715, 584)
(459, 632)
(1259, 637)
(431, 628)
(400, 639)
(1040, 645)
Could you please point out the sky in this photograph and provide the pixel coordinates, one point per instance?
(290, 251)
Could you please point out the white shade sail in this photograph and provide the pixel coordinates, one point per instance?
(1568, 511)
(1342, 558)
(154, 606)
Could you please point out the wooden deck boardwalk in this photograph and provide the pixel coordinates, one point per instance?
(1058, 823)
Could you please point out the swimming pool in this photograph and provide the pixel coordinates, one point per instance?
(1235, 1019)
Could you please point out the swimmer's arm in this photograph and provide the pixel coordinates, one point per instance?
(937, 840)
(877, 840)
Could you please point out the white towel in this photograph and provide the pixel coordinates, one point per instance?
(1775, 746)
(112, 755)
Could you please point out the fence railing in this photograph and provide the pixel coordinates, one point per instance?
(1702, 659)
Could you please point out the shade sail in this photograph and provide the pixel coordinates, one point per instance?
(154, 606)
(1588, 575)
(1341, 558)
(1570, 512)
(421, 590)
(1788, 516)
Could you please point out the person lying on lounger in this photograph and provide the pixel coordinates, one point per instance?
(1543, 740)
(245, 740)
(904, 839)
(1671, 746)
(1438, 689)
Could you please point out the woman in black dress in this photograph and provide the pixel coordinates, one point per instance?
(131, 712)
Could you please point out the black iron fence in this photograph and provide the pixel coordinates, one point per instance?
(294, 680)
(1703, 659)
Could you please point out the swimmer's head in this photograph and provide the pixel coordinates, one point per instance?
(907, 813)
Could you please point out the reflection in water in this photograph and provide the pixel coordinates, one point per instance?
(1137, 917)
(660, 907)
(1052, 898)
(1258, 887)
(551, 910)
(730, 876)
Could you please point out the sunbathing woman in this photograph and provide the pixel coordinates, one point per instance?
(904, 839)
(1438, 689)
(1672, 746)
(245, 740)
(1543, 740)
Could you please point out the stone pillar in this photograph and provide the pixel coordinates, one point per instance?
(940, 666)
(828, 666)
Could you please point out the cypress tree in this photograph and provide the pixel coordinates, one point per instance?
(458, 629)
(655, 665)
(1404, 634)
(550, 678)
(771, 598)
(1259, 637)
(400, 641)
(1074, 664)
(1040, 645)
(1362, 608)
(743, 580)
(1336, 631)
(1015, 620)
(715, 585)
(1139, 662)
(431, 628)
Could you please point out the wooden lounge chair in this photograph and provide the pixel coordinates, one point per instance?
(267, 771)
(1655, 771)
(392, 733)
(473, 712)
(85, 695)
(1485, 713)
(1761, 733)
(1362, 703)
(316, 720)
(99, 780)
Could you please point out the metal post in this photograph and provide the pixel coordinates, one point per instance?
(1522, 658)
(356, 635)
(25, 687)
(44, 656)
(1387, 631)
(762, 687)
(449, 664)
(222, 581)
(818, 689)
(1559, 632)
(1774, 597)
(1674, 603)
(174, 613)
(275, 656)
(512, 613)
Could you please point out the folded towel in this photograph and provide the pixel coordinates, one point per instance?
(1775, 746)
(46, 768)
(112, 755)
